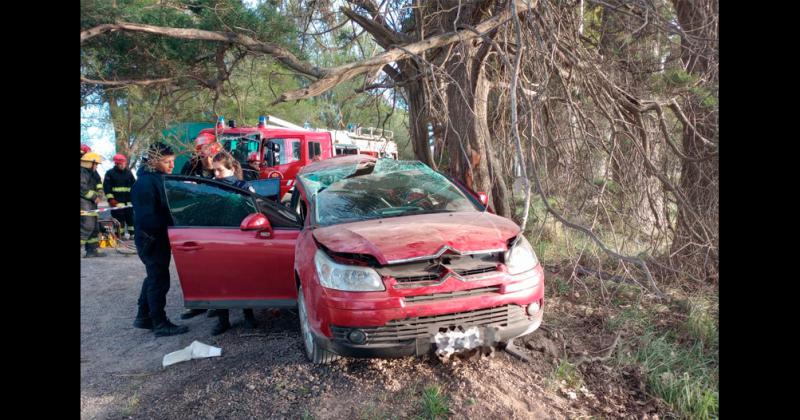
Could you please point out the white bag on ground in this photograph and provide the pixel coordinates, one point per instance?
(196, 350)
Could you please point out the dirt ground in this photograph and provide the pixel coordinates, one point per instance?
(263, 373)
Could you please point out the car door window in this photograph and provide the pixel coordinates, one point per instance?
(279, 216)
(198, 203)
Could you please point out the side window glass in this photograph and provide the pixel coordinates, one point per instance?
(313, 150)
(279, 216)
(273, 152)
(201, 204)
(296, 147)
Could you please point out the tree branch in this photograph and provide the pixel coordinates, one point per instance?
(279, 53)
(144, 82)
(337, 75)
(384, 36)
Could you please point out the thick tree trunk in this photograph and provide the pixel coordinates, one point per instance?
(696, 240)
(418, 122)
(468, 136)
(500, 194)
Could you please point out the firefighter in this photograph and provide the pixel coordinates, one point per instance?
(90, 196)
(254, 167)
(117, 186)
(205, 148)
(152, 217)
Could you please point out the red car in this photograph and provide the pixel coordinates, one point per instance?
(382, 258)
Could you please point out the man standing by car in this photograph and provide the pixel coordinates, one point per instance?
(152, 217)
(117, 185)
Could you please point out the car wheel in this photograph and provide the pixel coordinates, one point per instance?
(314, 352)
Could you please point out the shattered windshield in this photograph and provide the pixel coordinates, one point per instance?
(388, 188)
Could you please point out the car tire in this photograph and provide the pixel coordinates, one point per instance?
(315, 353)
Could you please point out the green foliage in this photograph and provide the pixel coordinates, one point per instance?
(567, 372)
(680, 363)
(435, 404)
(254, 83)
(686, 377)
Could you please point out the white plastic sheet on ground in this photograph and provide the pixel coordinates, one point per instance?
(450, 342)
(196, 350)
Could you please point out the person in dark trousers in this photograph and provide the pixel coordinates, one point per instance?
(90, 195)
(205, 147)
(152, 217)
(117, 186)
(227, 169)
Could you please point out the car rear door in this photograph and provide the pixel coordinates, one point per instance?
(219, 265)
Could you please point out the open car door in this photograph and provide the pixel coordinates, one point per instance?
(221, 262)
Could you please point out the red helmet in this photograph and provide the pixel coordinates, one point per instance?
(254, 157)
(120, 158)
(205, 139)
(85, 148)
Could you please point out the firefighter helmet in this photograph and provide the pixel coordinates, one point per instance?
(120, 158)
(85, 149)
(92, 157)
(206, 141)
(254, 157)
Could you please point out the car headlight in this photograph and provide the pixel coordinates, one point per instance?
(521, 257)
(349, 278)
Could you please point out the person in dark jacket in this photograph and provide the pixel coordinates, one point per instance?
(206, 147)
(227, 169)
(90, 195)
(117, 186)
(152, 217)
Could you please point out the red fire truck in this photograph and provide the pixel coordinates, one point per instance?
(284, 148)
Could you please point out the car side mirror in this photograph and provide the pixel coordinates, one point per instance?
(483, 198)
(259, 223)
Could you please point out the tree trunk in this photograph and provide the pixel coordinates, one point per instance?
(467, 127)
(418, 122)
(696, 240)
(118, 122)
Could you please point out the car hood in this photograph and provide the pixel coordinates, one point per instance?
(396, 239)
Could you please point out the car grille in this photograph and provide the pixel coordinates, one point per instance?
(431, 277)
(451, 295)
(412, 328)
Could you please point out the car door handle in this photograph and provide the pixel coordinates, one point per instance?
(188, 246)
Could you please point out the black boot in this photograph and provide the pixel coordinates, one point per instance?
(191, 313)
(92, 252)
(167, 328)
(223, 323)
(250, 319)
(145, 323)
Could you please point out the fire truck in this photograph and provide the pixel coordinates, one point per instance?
(285, 147)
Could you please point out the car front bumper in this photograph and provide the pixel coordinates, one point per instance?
(403, 340)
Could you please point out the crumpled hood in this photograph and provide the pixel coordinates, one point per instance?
(399, 238)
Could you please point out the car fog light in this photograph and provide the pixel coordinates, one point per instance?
(533, 308)
(357, 337)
